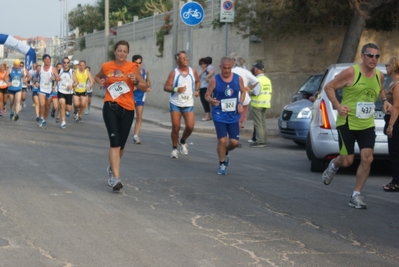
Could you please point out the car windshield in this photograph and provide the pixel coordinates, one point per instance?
(311, 85)
(378, 104)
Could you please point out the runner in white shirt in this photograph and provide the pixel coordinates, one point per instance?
(65, 91)
(46, 76)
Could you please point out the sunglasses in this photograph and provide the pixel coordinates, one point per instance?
(371, 55)
(66, 62)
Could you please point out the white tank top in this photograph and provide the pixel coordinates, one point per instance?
(185, 99)
(46, 83)
(65, 80)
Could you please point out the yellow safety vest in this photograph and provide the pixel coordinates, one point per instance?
(263, 100)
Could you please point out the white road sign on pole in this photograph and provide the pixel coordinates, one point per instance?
(227, 11)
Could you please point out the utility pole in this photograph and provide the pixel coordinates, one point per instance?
(175, 30)
(106, 30)
(67, 29)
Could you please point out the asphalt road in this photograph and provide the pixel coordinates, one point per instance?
(56, 208)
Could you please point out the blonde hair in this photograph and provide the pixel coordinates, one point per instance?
(393, 62)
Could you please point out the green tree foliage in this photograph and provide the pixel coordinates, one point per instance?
(133, 8)
(281, 17)
(86, 17)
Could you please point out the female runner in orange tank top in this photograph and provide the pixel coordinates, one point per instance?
(119, 76)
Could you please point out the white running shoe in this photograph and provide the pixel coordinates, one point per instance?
(115, 183)
(357, 202)
(136, 140)
(174, 154)
(329, 173)
(183, 149)
(110, 175)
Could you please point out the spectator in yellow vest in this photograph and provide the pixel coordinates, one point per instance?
(260, 101)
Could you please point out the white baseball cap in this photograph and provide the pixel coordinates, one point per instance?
(75, 62)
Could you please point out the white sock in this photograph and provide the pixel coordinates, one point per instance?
(355, 193)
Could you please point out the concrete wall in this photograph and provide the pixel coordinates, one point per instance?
(288, 60)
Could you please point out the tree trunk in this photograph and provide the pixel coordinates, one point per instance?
(352, 38)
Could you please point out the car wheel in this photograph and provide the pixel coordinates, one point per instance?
(299, 143)
(316, 165)
(308, 147)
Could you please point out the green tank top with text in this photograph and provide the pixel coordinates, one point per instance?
(360, 97)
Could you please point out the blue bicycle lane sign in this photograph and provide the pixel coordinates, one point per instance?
(192, 13)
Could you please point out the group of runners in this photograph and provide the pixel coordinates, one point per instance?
(61, 86)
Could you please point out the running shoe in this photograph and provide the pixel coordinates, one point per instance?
(63, 125)
(329, 173)
(226, 161)
(86, 112)
(11, 115)
(16, 117)
(183, 149)
(77, 119)
(52, 113)
(110, 175)
(39, 122)
(24, 104)
(222, 169)
(44, 125)
(33, 105)
(136, 140)
(115, 183)
(357, 202)
(37, 118)
(67, 114)
(57, 120)
(174, 154)
(251, 141)
(80, 120)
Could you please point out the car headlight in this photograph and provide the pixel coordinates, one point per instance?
(305, 113)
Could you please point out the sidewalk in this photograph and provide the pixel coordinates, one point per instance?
(161, 117)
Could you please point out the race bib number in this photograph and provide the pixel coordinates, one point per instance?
(229, 104)
(364, 110)
(63, 85)
(45, 87)
(185, 97)
(2, 83)
(15, 83)
(81, 86)
(117, 89)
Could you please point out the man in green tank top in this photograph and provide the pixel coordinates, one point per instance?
(361, 85)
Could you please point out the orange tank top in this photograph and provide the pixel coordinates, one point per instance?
(119, 88)
(3, 84)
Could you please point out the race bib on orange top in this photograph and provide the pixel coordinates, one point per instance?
(117, 89)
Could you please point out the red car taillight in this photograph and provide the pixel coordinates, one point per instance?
(325, 123)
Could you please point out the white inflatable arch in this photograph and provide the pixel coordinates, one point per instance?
(29, 52)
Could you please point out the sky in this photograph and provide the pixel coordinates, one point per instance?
(35, 18)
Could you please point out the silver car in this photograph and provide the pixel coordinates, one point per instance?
(322, 139)
(295, 117)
